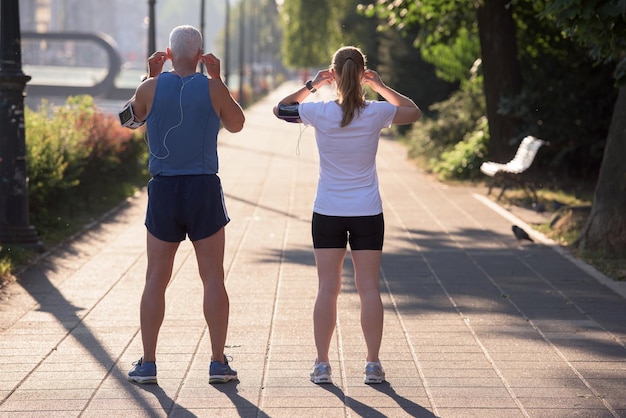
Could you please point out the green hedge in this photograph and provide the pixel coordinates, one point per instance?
(463, 160)
(80, 160)
(80, 164)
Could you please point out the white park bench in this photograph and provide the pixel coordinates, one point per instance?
(511, 173)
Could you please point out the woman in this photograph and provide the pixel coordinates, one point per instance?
(348, 207)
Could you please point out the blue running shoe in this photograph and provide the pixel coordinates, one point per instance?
(221, 372)
(321, 373)
(143, 372)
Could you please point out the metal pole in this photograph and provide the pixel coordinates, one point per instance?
(151, 27)
(14, 224)
(202, 31)
(227, 43)
(242, 63)
(253, 42)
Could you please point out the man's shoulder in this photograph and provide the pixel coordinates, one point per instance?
(149, 82)
(148, 85)
(217, 86)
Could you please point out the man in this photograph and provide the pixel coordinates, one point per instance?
(183, 110)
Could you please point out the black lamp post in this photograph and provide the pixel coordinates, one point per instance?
(202, 6)
(242, 42)
(227, 43)
(14, 226)
(253, 17)
(151, 27)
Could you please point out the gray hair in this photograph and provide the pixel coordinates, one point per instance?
(185, 41)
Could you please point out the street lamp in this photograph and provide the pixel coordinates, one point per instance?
(253, 16)
(202, 32)
(14, 226)
(151, 27)
(227, 43)
(242, 33)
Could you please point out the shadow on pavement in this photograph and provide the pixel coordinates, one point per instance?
(409, 406)
(52, 301)
(432, 273)
(167, 404)
(245, 408)
(364, 410)
(38, 281)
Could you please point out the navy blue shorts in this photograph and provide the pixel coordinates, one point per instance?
(180, 206)
(362, 232)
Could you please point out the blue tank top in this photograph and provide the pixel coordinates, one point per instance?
(182, 127)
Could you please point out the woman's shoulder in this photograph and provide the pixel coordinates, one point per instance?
(375, 105)
(321, 106)
(378, 103)
(320, 103)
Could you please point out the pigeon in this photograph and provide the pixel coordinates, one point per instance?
(520, 234)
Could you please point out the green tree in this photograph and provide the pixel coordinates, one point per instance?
(311, 33)
(268, 33)
(359, 30)
(600, 26)
(566, 98)
(403, 68)
(443, 21)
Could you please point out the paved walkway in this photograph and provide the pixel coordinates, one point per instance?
(476, 325)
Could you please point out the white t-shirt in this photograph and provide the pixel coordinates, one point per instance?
(348, 183)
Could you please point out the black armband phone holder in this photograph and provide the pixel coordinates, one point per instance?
(289, 112)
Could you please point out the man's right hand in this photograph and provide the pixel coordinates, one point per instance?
(212, 64)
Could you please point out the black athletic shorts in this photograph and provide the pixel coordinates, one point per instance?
(362, 232)
(180, 206)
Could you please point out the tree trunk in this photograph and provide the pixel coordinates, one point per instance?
(605, 230)
(502, 76)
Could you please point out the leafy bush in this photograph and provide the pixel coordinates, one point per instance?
(54, 155)
(454, 119)
(79, 160)
(463, 161)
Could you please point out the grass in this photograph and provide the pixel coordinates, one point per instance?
(12, 258)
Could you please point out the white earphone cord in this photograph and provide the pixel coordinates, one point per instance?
(299, 138)
(180, 104)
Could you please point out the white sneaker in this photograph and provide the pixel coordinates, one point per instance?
(321, 373)
(374, 373)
